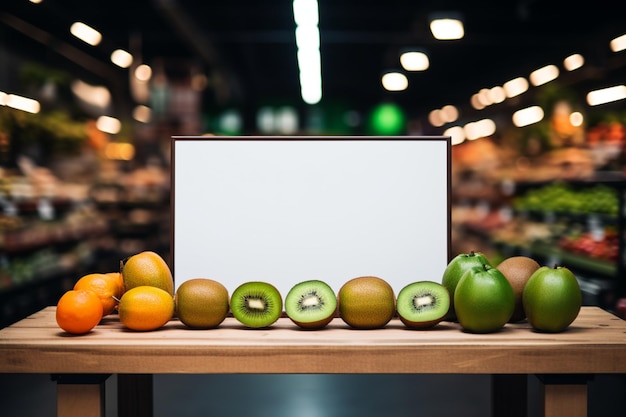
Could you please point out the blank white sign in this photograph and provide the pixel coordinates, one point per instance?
(289, 209)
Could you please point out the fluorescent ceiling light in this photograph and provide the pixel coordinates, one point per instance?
(121, 58)
(86, 33)
(20, 103)
(414, 61)
(573, 62)
(606, 95)
(479, 129)
(528, 116)
(456, 133)
(447, 29)
(618, 44)
(515, 87)
(544, 75)
(395, 81)
(306, 16)
(108, 124)
(143, 73)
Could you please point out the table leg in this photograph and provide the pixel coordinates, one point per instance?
(80, 395)
(509, 395)
(134, 395)
(564, 395)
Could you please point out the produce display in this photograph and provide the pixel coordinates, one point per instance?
(483, 297)
(560, 197)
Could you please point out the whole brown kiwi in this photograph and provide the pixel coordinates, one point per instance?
(366, 302)
(517, 270)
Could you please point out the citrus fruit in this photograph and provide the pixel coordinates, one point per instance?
(145, 308)
(455, 270)
(78, 311)
(552, 299)
(484, 300)
(106, 287)
(201, 303)
(147, 268)
(366, 302)
(517, 270)
(119, 280)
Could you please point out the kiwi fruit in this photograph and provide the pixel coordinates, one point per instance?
(201, 303)
(256, 304)
(517, 270)
(423, 304)
(311, 304)
(366, 302)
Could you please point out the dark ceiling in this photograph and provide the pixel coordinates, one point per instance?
(247, 47)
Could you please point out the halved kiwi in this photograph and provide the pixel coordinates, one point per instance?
(423, 304)
(311, 304)
(256, 304)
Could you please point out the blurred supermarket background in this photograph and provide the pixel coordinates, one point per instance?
(531, 93)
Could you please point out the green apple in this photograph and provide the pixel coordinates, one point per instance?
(455, 270)
(484, 300)
(552, 299)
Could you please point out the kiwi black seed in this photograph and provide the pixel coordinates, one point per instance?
(256, 304)
(423, 304)
(311, 304)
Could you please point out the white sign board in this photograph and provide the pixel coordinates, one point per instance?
(289, 209)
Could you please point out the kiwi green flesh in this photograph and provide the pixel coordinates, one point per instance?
(311, 304)
(256, 304)
(423, 304)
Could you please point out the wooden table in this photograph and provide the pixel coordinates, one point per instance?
(594, 344)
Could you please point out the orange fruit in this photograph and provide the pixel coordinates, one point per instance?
(105, 286)
(119, 280)
(147, 268)
(78, 311)
(145, 308)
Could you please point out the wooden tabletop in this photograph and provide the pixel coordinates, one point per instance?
(594, 343)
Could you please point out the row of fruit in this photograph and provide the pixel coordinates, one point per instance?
(586, 243)
(482, 298)
(560, 197)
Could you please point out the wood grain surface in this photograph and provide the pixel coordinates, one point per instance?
(594, 343)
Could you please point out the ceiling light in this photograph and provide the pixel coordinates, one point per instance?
(544, 75)
(573, 62)
(395, 81)
(449, 113)
(97, 96)
(108, 124)
(306, 16)
(86, 33)
(606, 95)
(435, 118)
(414, 61)
(21, 103)
(142, 113)
(618, 44)
(479, 129)
(497, 94)
(527, 116)
(476, 103)
(456, 133)
(515, 87)
(143, 72)
(576, 118)
(121, 58)
(447, 28)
